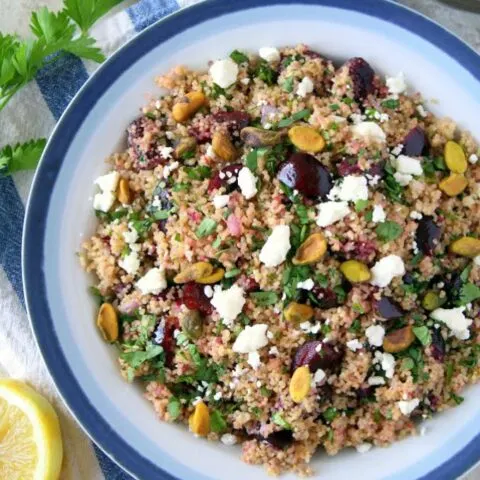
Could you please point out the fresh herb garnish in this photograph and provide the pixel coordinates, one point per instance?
(264, 72)
(280, 421)
(468, 293)
(361, 205)
(287, 85)
(265, 299)
(388, 231)
(251, 161)
(135, 359)
(330, 414)
(239, 57)
(174, 407)
(22, 156)
(423, 334)
(393, 189)
(200, 172)
(390, 103)
(217, 422)
(232, 273)
(301, 115)
(206, 227)
(356, 326)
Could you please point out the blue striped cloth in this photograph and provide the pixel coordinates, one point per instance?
(33, 113)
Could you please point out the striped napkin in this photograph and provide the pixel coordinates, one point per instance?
(32, 113)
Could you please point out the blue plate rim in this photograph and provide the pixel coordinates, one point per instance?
(35, 219)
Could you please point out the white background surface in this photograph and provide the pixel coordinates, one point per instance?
(467, 25)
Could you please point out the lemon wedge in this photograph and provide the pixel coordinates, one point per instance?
(30, 439)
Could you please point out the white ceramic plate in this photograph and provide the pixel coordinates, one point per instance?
(60, 215)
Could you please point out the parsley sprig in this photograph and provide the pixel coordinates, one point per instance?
(53, 35)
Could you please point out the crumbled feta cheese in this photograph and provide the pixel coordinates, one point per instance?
(350, 188)
(247, 183)
(245, 81)
(386, 269)
(414, 215)
(165, 152)
(273, 351)
(254, 360)
(108, 182)
(473, 158)
(375, 334)
(217, 396)
(228, 439)
(331, 212)
(421, 111)
(357, 118)
(220, 201)
(369, 131)
(270, 54)
(354, 345)
(307, 284)
(130, 263)
(168, 169)
(410, 165)
(224, 72)
(103, 201)
(319, 376)
(130, 236)
(376, 380)
(476, 260)
(402, 179)
(153, 282)
(396, 85)
(455, 320)
(305, 87)
(378, 214)
(208, 291)
(408, 406)
(251, 338)
(388, 364)
(363, 447)
(228, 303)
(274, 251)
(397, 150)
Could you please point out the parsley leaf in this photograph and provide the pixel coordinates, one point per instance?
(393, 190)
(266, 73)
(264, 299)
(301, 115)
(207, 227)
(388, 231)
(287, 85)
(251, 160)
(135, 359)
(423, 334)
(200, 172)
(21, 157)
(468, 293)
(217, 422)
(86, 12)
(390, 103)
(361, 205)
(280, 421)
(174, 407)
(238, 57)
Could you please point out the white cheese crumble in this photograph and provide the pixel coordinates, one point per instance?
(247, 183)
(410, 165)
(273, 351)
(251, 338)
(387, 362)
(351, 188)
(354, 345)
(476, 260)
(228, 303)
(421, 111)
(397, 150)
(168, 169)
(220, 201)
(208, 291)
(455, 320)
(378, 214)
(108, 182)
(165, 152)
(408, 406)
(152, 282)
(305, 87)
(130, 263)
(363, 447)
(254, 360)
(376, 380)
(319, 376)
(473, 159)
(369, 131)
(402, 179)
(396, 85)
(331, 212)
(375, 334)
(103, 201)
(414, 215)
(228, 439)
(274, 251)
(307, 284)
(386, 269)
(130, 236)
(270, 54)
(224, 72)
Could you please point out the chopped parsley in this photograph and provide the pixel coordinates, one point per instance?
(200, 172)
(239, 57)
(174, 407)
(301, 115)
(390, 103)
(330, 414)
(287, 85)
(206, 227)
(468, 293)
(232, 273)
(277, 419)
(264, 72)
(361, 205)
(217, 422)
(423, 334)
(393, 190)
(388, 231)
(251, 160)
(265, 299)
